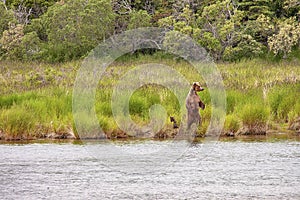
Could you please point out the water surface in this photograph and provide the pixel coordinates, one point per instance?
(235, 169)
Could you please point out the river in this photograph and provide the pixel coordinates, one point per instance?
(230, 169)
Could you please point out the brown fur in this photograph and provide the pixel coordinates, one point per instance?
(193, 103)
(172, 119)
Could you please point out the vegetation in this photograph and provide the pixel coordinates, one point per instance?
(65, 30)
(42, 44)
(260, 94)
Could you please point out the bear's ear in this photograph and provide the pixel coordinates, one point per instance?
(196, 84)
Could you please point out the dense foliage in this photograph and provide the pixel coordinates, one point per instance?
(61, 30)
(36, 99)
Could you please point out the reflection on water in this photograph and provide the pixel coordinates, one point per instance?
(244, 168)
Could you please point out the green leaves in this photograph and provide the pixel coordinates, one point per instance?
(6, 16)
(220, 23)
(139, 19)
(229, 30)
(77, 26)
(287, 36)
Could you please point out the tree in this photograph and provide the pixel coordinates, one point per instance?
(247, 47)
(292, 8)
(287, 36)
(139, 19)
(77, 26)
(31, 46)
(38, 26)
(28, 9)
(167, 22)
(262, 28)
(219, 24)
(11, 41)
(255, 8)
(6, 16)
(184, 23)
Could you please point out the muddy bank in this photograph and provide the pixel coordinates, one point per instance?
(62, 135)
(295, 126)
(166, 133)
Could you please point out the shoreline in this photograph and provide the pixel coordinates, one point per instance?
(38, 102)
(279, 134)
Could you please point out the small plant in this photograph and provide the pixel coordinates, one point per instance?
(232, 100)
(232, 123)
(282, 101)
(254, 117)
(294, 114)
(138, 106)
(17, 122)
(255, 90)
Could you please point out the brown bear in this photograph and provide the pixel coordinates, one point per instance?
(175, 125)
(193, 103)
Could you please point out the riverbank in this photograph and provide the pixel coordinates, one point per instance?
(36, 98)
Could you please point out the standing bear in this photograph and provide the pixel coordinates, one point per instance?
(193, 103)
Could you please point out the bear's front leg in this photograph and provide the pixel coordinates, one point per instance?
(201, 105)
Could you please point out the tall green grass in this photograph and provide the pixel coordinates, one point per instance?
(284, 102)
(255, 117)
(26, 115)
(257, 92)
(232, 124)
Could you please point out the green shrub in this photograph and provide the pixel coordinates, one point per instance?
(151, 97)
(294, 113)
(232, 123)
(138, 106)
(6, 101)
(254, 115)
(282, 101)
(203, 128)
(17, 122)
(206, 113)
(274, 101)
(233, 98)
(285, 106)
(40, 108)
(104, 123)
(104, 108)
(86, 126)
(59, 106)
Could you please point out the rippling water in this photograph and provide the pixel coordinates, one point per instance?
(144, 170)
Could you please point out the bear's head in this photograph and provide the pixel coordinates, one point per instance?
(197, 87)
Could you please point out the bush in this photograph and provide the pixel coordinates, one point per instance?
(254, 116)
(203, 128)
(137, 106)
(34, 113)
(86, 126)
(104, 108)
(17, 122)
(71, 39)
(294, 113)
(6, 16)
(232, 100)
(283, 100)
(11, 99)
(285, 106)
(248, 47)
(232, 123)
